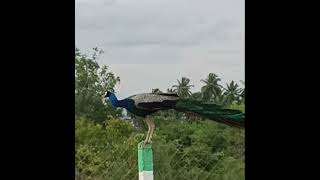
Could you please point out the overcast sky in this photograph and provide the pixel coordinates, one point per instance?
(152, 43)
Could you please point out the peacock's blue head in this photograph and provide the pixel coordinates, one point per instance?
(109, 95)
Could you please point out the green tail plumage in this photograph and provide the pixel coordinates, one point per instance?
(214, 112)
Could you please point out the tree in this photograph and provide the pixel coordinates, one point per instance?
(196, 96)
(232, 92)
(183, 88)
(91, 82)
(220, 99)
(211, 87)
(242, 92)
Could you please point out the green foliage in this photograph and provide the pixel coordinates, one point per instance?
(182, 151)
(104, 151)
(91, 83)
(213, 92)
(106, 147)
(211, 87)
(233, 92)
(197, 151)
(183, 88)
(237, 106)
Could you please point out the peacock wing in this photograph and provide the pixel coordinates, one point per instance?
(168, 94)
(151, 101)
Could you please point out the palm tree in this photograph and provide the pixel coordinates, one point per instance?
(242, 92)
(233, 92)
(183, 88)
(211, 87)
(196, 96)
(220, 99)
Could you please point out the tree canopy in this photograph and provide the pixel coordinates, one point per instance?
(106, 142)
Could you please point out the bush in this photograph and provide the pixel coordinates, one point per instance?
(182, 151)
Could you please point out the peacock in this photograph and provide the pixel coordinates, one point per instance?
(145, 104)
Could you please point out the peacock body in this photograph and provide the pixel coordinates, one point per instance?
(146, 104)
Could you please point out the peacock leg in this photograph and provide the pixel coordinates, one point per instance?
(152, 126)
(147, 120)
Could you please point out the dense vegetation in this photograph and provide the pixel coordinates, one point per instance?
(185, 147)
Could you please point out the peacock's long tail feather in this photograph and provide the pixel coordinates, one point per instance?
(213, 112)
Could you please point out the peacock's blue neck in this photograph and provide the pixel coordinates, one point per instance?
(118, 103)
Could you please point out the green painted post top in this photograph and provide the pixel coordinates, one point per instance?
(145, 157)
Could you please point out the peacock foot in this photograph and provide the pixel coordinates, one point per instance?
(147, 142)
